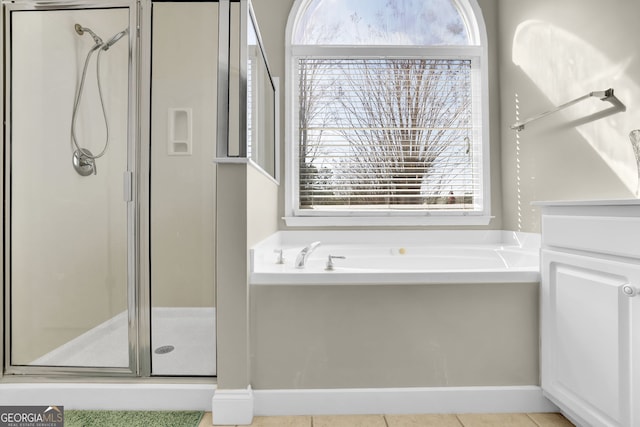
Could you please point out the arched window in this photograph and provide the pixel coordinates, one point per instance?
(386, 113)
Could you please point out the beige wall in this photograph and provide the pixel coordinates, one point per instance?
(553, 52)
(182, 186)
(272, 19)
(394, 336)
(231, 276)
(247, 212)
(490, 15)
(247, 209)
(262, 206)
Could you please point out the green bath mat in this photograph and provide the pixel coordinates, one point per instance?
(73, 418)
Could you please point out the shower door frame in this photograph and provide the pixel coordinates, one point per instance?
(139, 336)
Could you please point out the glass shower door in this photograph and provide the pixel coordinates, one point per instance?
(182, 235)
(68, 243)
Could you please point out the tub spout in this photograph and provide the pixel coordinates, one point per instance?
(301, 259)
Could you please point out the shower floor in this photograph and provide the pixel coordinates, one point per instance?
(184, 337)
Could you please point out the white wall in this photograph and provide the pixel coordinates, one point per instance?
(68, 231)
(553, 52)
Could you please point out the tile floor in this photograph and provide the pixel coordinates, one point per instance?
(431, 420)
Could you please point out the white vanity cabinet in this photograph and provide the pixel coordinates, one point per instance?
(590, 310)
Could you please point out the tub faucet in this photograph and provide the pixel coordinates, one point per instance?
(301, 259)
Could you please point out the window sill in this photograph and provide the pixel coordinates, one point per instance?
(246, 161)
(370, 221)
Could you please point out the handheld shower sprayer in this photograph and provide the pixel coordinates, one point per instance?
(113, 40)
(84, 161)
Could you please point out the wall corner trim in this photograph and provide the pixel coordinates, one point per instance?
(232, 407)
(411, 400)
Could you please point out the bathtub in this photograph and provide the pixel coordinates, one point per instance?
(397, 257)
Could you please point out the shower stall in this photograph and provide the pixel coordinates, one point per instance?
(110, 134)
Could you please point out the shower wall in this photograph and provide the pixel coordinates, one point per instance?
(68, 232)
(184, 94)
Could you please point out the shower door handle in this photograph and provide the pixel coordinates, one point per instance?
(128, 186)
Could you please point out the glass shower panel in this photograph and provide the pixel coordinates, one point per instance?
(183, 132)
(68, 222)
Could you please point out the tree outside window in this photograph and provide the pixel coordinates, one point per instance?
(387, 107)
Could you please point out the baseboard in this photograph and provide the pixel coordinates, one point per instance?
(232, 407)
(402, 401)
(121, 396)
(237, 407)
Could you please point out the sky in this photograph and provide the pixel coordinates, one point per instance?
(386, 22)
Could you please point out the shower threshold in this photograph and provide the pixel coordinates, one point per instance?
(189, 331)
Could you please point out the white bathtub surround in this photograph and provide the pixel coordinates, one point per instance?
(399, 257)
(453, 309)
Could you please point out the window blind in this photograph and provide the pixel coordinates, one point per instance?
(386, 133)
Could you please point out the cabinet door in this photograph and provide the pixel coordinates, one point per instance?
(587, 337)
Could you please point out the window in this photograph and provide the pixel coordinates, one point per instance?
(386, 118)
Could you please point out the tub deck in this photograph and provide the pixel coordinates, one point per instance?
(422, 257)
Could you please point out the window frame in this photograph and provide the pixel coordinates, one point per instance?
(476, 50)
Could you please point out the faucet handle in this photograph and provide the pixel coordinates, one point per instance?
(280, 259)
(330, 266)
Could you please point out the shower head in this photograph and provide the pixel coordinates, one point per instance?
(113, 40)
(81, 30)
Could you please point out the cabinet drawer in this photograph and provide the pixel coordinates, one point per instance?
(603, 234)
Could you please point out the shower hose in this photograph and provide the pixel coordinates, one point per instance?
(76, 104)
